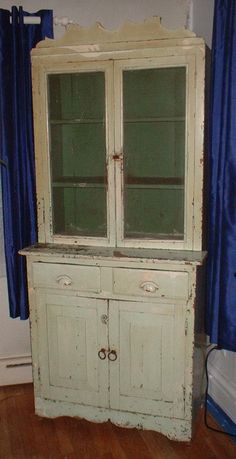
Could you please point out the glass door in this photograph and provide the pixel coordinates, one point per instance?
(79, 143)
(152, 144)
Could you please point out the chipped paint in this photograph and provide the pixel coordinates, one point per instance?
(118, 253)
(106, 282)
(116, 157)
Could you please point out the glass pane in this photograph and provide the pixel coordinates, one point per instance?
(89, 217)
(154, 152)
(78, 153)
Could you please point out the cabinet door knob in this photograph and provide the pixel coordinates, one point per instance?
(102, 354)
(64, 280)
(149, 287)
(112, 355)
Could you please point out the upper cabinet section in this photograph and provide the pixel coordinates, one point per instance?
(119, 120)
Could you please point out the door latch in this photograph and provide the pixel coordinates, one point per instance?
(104, 319)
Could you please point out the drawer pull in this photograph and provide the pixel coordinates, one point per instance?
(149, 287)
(112, 355)
(64, 281)
(102, 354)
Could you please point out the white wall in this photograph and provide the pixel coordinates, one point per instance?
(201, 13)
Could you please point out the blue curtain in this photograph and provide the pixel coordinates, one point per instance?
(16, 145)
(221, 307)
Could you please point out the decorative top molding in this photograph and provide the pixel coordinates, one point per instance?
(150, 29)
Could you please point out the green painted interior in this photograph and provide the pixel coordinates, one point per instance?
(154, 152)
(77, 201)
(78, 153)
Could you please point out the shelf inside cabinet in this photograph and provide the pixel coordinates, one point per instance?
(154, 182)
(163, 119)
(80, 182)
(76, 121)
(130, 182)
(153, 236)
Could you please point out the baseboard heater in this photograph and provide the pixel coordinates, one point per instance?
(14, 365)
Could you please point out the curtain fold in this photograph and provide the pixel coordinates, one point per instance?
(17, 146)
(221, 304)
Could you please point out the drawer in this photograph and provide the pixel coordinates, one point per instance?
(66, 277)
(150, 283)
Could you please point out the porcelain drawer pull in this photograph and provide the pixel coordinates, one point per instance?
(64, 281)
(149, 287)
(112, 355)
(102, 354)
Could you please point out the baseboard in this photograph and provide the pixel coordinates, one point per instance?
(221, 417)
(223, 391)
(15, 370)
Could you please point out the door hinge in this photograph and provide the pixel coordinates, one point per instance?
(43, 211)
(186, 327)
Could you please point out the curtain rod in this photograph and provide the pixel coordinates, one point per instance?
(64, 21)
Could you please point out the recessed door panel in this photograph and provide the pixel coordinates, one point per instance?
(148, 375)
(71, 335)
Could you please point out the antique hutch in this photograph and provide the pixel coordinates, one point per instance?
(116, 280)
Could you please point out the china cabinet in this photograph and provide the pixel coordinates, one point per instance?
(116, 279)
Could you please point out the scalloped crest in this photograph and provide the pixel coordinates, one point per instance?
(150, 29)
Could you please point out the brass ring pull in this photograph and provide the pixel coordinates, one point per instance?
(102, 354)
(112, 355)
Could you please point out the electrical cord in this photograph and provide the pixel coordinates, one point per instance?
(215, 348)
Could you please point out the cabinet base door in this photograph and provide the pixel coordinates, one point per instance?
(148, 375)
(71, 333)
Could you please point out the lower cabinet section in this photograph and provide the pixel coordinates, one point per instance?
(122, 355)
(111, 354)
